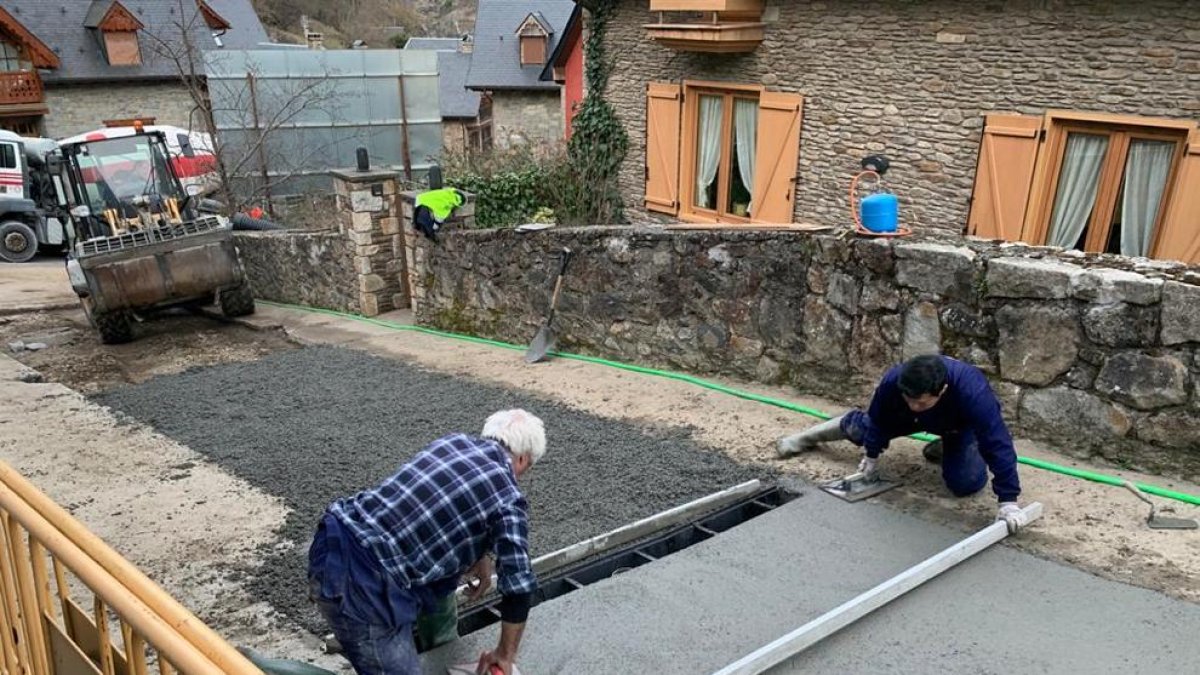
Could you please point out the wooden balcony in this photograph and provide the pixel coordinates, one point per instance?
(721, 26)
(723, 6)
(21, 88)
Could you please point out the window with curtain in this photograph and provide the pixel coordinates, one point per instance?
(708, 150)
(726, 133)
(1111, 187)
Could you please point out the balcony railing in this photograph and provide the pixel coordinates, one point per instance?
(21, 86)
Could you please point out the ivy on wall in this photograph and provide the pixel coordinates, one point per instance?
(598, 141)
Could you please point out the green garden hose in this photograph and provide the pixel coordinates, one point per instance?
(700, 382)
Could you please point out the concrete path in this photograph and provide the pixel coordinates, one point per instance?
(1001, 612)
(36, 285)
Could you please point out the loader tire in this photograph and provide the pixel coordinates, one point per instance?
(18, 243)
(237, 301)
(114, 327)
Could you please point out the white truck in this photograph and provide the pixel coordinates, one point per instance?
(31, 218)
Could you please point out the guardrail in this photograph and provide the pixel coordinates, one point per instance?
(47, 560)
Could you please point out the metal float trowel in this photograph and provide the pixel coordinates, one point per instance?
(858, 486)
(1157, 522)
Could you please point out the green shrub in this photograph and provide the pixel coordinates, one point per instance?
(510, 185)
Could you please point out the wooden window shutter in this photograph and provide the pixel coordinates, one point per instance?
(1008, 154)
(122, 48)
(778, 150)
(664, 103)
(1179, 234)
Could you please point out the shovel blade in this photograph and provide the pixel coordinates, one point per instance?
(1168, 523)
(543, 342)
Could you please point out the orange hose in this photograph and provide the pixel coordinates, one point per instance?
(859, 227)
(854, 195)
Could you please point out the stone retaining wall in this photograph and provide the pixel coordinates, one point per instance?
(1096, 354)
(315, 269)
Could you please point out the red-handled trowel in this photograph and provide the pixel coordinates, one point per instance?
(544, 341)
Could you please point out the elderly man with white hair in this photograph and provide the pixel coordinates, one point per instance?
(384, 564)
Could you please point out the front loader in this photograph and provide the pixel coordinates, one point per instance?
(138, 241)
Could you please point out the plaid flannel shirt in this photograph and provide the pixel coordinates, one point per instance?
(442, 511)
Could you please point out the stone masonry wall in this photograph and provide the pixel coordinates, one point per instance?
(1092, 353)
(369, 215)
(75, 109)
(535, 116)
(315, 269)
(913, 78)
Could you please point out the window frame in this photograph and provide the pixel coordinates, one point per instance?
(689, 135)
(1120, 130)
(8, 156)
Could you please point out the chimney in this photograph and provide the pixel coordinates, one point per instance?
(466, 45)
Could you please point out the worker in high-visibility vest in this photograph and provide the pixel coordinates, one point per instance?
(434, 207)
(943, 396)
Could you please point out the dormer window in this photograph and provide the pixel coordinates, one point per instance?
(534, 39)
(118, 29)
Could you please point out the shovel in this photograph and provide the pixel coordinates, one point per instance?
(544, 341)
(1157, 522)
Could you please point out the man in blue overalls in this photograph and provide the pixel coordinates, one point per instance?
(939, 395)
(384, 564)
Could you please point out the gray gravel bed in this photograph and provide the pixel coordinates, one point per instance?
(315, 424)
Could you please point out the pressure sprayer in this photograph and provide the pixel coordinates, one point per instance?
(877, 214)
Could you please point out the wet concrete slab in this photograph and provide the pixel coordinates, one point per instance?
(1001, 612)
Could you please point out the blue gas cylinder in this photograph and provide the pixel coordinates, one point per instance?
(880, 212)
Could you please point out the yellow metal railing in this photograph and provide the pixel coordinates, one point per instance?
(47, 558)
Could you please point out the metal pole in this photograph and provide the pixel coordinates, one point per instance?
(262, 141)
(838, 618)
(404, 132)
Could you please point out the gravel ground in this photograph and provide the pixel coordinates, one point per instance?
(314, 424)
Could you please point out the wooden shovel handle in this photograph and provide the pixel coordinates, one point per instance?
(562, 269)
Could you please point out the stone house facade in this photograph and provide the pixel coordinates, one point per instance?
(512, 43)
(1018, 119)
(83, 65)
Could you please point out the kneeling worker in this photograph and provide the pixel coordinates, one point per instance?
(384, 564)
(943, 396)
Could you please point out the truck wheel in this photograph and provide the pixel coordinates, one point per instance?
(237, 301)
(114, 327)
(18, 243)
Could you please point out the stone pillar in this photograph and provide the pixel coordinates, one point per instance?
(368, 216)
(414, 242)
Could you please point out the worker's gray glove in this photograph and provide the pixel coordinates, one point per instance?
(1013, 516)
(869, 467)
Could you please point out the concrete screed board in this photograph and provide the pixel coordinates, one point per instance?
(702, 608)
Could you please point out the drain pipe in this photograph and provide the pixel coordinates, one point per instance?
(749, 396)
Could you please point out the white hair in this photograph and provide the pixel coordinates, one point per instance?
(521, 431)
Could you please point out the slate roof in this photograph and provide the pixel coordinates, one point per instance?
(96, 13)
(454, 99)
(496, 63)
(61, 25)
(427, 43)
